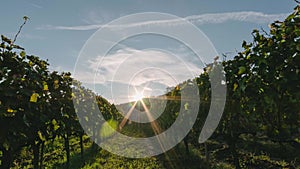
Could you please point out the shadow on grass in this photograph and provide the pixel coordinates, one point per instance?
(177, 158)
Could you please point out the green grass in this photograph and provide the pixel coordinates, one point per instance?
(253, 154)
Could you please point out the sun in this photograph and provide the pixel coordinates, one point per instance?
(138, 96)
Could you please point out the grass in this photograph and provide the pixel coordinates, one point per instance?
(253, 154)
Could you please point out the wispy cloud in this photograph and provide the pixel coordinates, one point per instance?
(212, 18)
(36, 5)
(245, 16)
(128, 67)
(76, 28)
(152, 65)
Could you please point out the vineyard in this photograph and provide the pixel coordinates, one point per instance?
(260, 126)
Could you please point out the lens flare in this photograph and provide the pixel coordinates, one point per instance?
(138, 96)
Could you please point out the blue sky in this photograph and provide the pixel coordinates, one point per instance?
(57, 30)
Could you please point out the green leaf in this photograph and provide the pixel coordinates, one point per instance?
(26, 18)
(9, 110)
(6, 145)
(17, 47)
(297, 32)
(244, 44)
(298, 47)
(5, 39)
(55, 125)
(45, 88)
(34, 97)
(22, 54)
(54, 122)
(290, 17)
(3, 45)
(186, 106)
(41, 136)
(242, 69)
(235, 85)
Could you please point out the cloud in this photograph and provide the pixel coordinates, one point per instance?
(212, 18)
(127, 68)
(246, 16)
(77, 28)
(36, 5)
(134, 66)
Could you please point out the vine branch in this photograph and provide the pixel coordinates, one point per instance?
(19, 31)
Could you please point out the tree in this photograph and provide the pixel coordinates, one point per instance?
(23, 100)
(263, 83)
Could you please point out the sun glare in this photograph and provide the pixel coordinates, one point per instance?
(138, 96)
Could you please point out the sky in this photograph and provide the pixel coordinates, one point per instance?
(61, 32)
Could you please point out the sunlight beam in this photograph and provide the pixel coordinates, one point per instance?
(154, 125)
(127, 116)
